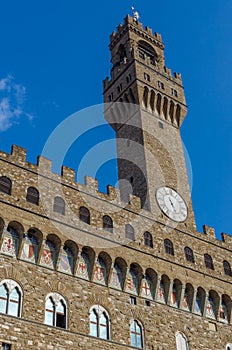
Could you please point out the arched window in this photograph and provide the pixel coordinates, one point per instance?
(5, 185)
(55, 311)
(168, 247)
(32, 195)
(227, 268)
(107, 223)
(84, 215)
(208, 261)
(148, 241)
(129, 232)
(229, 346)
(59, 205)
(136, 334)
(189, 254)
(181, 342)
(99, 322)
(10, 298)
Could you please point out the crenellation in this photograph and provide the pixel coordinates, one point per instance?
(113, 193)
(227, 239)
(91, 183)
(44, 166)
(18, 154)
(209, 231)
(135, 203)
(68, 174)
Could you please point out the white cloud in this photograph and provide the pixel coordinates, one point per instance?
(12, 98)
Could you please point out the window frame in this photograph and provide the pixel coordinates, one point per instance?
(10, 286)
(5, 186)
(32, 198)
(208, 261)
(129, 232)
(148, 239)
(59, 207)
(56, 299)
(168, 246)
(139, 335)
(99, 310)
(189, 255)
(227, 268)
(107, 226)
(84, 215)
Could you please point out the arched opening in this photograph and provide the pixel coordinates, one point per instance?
(158, 104)
(165, 108)
(12, 238)
(168, 246)
(59, 205)
(227, 268)
(129, 232)
(85, 263)
(212, 304)
(118, 274)
(181, 341)
(32, 195)
(56, 311)
(176, 293)
(31, 245)
(178, 112)
(152, 100)
(200, 301)
(136, 334)
(149, 284)
(148, 240)
(163, 289)
(189, 254)
(107, 223)
(10, 298)
(225, 309)
(145, 96)
(188, 297)
(99, 322)
(50, 251)
(208, 262)
(84, 215)
(171, 111)
(146, 50)
(5, 185)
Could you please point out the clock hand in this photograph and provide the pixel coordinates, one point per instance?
(171, 202)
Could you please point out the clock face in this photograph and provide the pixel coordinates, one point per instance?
(171, 204)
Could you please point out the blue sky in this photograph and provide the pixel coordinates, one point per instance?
(54, 56)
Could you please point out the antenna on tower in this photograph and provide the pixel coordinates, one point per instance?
(135, 14)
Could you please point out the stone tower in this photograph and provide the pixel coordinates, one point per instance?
(83, 269)
(149, 146)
